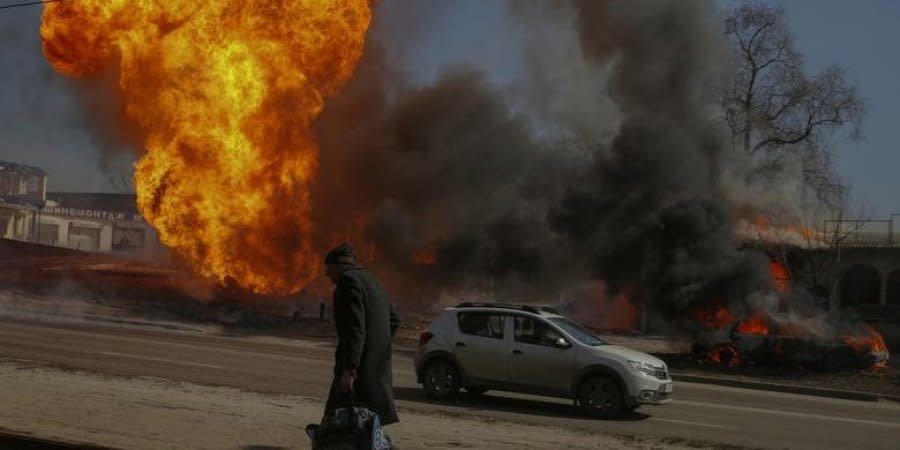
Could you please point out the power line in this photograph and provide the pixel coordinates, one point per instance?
(17, 5)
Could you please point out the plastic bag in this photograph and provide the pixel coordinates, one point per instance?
(350, 428)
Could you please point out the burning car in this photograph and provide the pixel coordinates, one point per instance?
(777, 340)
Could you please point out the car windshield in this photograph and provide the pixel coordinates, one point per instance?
(578, 332)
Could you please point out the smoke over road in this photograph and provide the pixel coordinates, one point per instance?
(508, 191)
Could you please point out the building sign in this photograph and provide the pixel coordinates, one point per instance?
(91, 214)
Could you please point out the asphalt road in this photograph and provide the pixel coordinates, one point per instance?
(699, 412)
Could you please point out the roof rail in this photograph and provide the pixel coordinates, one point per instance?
(528, 308)
(548, 310)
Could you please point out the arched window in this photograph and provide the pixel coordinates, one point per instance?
(893, 288)
(860, 285)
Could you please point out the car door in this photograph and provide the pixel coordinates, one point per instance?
(482, 346)
(540, 357)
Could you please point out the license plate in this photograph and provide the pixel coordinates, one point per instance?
(666, 388)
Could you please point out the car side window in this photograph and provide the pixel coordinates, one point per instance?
(535, 332)
(482, 324)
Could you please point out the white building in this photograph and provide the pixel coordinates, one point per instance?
(93, 222)
(22, 193)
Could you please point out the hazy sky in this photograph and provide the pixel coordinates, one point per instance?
(40, 125)
(863, 37)
(37, 118)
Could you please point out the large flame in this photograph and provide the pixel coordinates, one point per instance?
(225, 92)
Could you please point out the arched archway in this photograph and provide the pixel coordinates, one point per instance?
(892, 296)
(860, 285)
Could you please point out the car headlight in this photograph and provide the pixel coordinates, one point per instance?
(643, 367)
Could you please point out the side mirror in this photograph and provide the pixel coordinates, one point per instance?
(562, 343)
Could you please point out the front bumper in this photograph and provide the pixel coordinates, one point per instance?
(648, 390)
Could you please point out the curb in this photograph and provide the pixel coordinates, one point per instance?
(10, 439)
(787, 388)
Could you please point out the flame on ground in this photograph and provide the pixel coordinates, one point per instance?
(865, 342)
(225, 92)
(868, 340)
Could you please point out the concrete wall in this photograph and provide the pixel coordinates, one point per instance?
(884, 261)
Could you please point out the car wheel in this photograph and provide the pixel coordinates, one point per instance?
(441, 380)
(600, 397)
(725, 355)
(476, 390)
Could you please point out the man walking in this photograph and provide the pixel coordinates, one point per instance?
(366, 323)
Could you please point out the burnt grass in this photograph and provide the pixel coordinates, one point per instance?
(882, 381)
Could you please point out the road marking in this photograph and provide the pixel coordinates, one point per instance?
(54, 334)
(687, 422)
(164, 360)
(791, 414)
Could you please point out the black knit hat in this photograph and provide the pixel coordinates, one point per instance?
(342, 254)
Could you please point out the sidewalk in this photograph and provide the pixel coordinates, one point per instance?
(154, 414)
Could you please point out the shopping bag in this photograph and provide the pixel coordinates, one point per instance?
(349, 428)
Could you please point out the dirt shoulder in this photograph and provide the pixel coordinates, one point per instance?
(148, 413)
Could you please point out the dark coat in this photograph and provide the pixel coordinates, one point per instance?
(365, 322)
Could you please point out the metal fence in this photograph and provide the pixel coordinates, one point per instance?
(864, 232)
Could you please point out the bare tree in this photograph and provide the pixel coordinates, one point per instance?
(774, 108)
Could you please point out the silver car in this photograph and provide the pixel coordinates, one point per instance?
(534, 350)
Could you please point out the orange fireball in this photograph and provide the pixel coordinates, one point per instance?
(225, 93)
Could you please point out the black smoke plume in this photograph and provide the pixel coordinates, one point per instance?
(480, 176)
